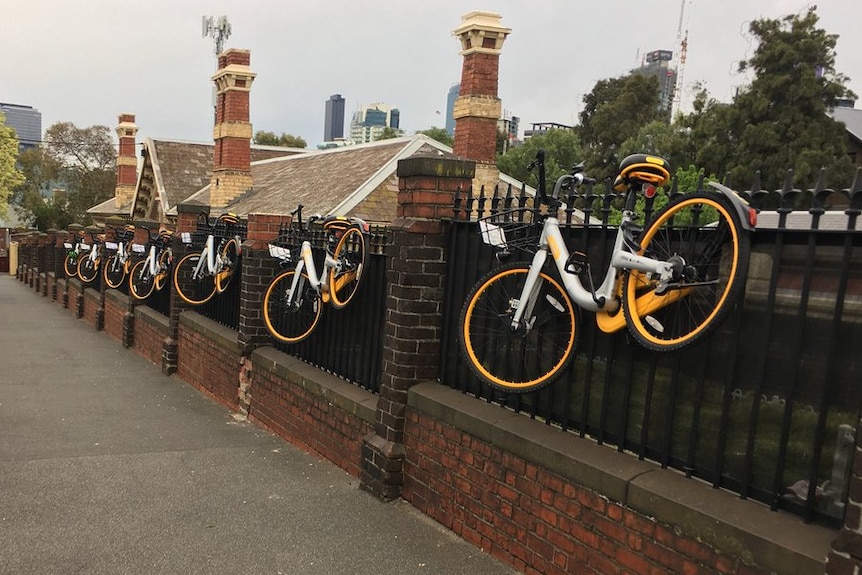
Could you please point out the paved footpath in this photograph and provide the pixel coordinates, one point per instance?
(107, 466)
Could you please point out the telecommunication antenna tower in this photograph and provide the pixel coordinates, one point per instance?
(218, 28)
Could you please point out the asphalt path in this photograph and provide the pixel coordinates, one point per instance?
(108, 466)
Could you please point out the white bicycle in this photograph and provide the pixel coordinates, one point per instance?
(150, 273)
(671, 284)
(198, 276)
(88, 266)
(118, 264)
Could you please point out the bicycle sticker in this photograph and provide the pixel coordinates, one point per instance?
(111, 245)
(186, 237)
(139, 248)
(492, 235)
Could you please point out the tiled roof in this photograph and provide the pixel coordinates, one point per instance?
(340, 179)
(107, 208)
(173, 169)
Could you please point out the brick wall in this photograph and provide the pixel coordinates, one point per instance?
(151, 329)
(210, 358)
(116, 308)
(309, 408)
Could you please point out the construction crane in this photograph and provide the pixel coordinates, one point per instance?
(682, 40)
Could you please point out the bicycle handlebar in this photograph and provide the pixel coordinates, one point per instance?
(564, 182)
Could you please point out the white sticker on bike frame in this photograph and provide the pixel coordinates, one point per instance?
(139, 248)
(111, 245)
(186, 237)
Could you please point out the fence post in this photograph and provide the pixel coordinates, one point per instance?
(258, 268)
(414, 298)
(187, 221)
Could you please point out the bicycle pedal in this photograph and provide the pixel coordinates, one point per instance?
(576, 263)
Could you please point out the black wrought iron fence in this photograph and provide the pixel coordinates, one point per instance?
(766, 407)
(223, 307)
(347, 342)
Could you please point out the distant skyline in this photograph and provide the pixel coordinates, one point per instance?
(89, 62)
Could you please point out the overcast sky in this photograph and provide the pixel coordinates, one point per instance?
(88, 61)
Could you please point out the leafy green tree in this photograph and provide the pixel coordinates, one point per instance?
(781, 120)
(88, 157)
(10, 175)
(562, 151)
(263, 138)
(668, 141)
(613, 112)
(387, 134)
(81, 161)
(439, 134)
(42, 173)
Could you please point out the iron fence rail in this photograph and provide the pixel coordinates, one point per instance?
(766, 407)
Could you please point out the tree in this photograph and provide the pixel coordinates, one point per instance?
(439, 134)
(387, 134)
(669, 141)
(613, 112)
(81, 161)
(10, 175)
(263, 138)
(562, 151)
(781, 120)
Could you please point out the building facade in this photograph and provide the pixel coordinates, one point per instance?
(370, 121)
(454, 92)
(657, 64)
(27, 123)
(333, 124)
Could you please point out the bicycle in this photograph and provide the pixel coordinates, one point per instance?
(119, 263)
(149, 274)
(292, 302)
(88, 267)
(670, 286)
(210, 269)
(70, 262)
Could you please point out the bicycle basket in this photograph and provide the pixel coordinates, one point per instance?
(509, 230)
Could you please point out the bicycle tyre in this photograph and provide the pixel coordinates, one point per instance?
(70, 265)
(351, 253)
(141, 281)
(230, 261)
(702, 230)
(113, 272)
(88, 269)
(295, 323)
(165, 260)
(526, 360)
(200, 290)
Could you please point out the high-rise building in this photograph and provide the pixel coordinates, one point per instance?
(371, 120)
(657, 64)
(27, 123)
(454, 91)
(333, 126)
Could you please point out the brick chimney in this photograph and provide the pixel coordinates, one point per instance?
(478, 109)
(231, 175)
(127, 162)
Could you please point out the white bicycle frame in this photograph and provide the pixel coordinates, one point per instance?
(320, 284)
(122, 253)
(605, 298)
(211, 261)
(93, 250)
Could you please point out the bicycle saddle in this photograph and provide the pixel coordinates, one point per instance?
(642, 169)
(341, 223)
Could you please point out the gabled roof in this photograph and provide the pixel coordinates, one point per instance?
(339, 180)
(852, 120)
(173, 170)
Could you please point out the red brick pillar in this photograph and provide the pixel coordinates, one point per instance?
(258, 269)
(187, 221)
(478, 110)
(127, 161)
(232, 133)
(414, 300)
